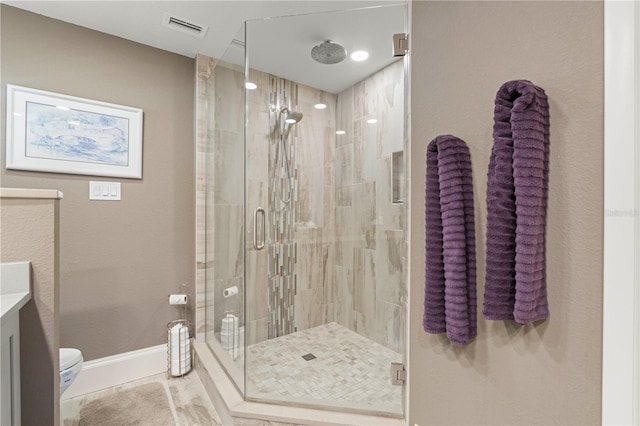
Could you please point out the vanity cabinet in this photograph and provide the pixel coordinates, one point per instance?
(15, 292)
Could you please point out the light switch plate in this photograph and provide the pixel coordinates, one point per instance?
(104, 191)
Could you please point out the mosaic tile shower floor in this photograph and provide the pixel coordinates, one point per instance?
(348, 370)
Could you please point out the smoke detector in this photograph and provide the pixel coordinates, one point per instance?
(184, 25)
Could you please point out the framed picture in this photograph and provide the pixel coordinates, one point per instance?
(50, 132)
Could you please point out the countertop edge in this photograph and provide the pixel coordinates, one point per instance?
(11, 303)
(52, 194)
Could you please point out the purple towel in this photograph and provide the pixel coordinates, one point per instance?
(450, 276)
(517, 185)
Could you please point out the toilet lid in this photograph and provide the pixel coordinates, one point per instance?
(69, 357)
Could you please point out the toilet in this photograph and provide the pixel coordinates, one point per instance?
(70, 366)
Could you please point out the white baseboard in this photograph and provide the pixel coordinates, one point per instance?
(118, 369)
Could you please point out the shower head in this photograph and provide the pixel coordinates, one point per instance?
(292, 118)
(328, 53)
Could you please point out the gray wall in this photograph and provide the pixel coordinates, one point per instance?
(118, 260)
(550, 372)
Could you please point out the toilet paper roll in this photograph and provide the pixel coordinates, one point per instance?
(186, 360)
(230, 291)
(179, 349)
(178, 369)
(179, 341)
(229, 334)
(178, 299)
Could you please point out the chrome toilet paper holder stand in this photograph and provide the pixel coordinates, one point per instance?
(182, 355)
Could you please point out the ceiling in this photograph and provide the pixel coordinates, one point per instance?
(279, 46)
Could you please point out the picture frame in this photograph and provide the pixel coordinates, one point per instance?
(56, 133)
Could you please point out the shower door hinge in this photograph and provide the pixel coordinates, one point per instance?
(400, 44)
(398, 374)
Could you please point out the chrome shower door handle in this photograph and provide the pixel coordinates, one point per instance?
(258, 245)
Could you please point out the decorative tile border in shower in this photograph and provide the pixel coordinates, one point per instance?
(283, 195)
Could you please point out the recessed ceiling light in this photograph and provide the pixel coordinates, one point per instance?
(250, 86)
(372, 121)
(359, 55)
(340, 132)
(320, 106)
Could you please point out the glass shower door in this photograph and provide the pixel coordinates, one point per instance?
(325, 266)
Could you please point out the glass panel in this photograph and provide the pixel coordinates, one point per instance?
(223, 100)
(326, 296)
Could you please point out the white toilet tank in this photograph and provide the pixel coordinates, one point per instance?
(70, 365)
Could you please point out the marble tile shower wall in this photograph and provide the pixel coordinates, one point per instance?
(257, 184)
(313, 136)
(219, 200)
(311, 146)
(226, 193)
(315, 208)
(370, 256)
(205, 102)
(219, 192)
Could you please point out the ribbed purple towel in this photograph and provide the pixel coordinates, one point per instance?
(517, 186)
(450, 276)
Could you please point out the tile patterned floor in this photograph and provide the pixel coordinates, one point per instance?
(349, 370)
(188, 400)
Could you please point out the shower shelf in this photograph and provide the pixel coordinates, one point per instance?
(397, 178)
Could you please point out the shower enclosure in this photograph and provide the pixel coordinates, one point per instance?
(302, 211)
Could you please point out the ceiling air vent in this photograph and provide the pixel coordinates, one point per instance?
(184, 25)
